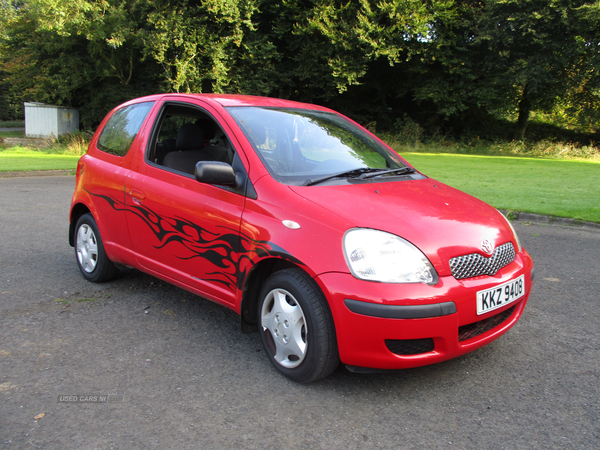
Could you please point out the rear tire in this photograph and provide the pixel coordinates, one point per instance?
(296, 327)
(89, 251)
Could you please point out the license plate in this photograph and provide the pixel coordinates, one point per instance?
(501, 295)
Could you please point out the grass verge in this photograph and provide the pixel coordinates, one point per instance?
(555, 187)
(18, 133)
(12, 123)
(561, 188)
(28, 159)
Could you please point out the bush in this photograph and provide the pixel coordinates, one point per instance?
(407, 131)
(74, 143)
(12, 124)
(545, 148)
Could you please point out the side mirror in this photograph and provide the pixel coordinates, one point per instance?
(215, 172)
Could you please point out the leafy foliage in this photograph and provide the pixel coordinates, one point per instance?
(450, 66)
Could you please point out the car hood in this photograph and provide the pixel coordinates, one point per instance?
(441, 221)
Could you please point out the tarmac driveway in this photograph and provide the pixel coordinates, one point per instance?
(171, 370)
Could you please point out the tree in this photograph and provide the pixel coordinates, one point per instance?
(76, 53)
(506, 56)
(450, 63)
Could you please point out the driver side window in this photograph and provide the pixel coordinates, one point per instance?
(187, 135)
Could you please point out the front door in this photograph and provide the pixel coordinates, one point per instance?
(182, 229)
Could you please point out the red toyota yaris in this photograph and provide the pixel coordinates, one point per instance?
(312, 229)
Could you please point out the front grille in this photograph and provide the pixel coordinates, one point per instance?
(409, 346)
(474, 265)
(475, 329)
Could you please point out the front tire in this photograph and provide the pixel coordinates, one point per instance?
(89, 251)
(296, 327)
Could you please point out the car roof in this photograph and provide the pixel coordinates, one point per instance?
(238, 100)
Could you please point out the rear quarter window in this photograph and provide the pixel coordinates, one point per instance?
(122, 128)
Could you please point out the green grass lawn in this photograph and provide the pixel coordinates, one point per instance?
(561, 188)
(17, 133)
(26, 159)
(543, 186)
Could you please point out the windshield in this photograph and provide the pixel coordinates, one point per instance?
(298, 146)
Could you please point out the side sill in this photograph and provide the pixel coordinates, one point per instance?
(401, 311)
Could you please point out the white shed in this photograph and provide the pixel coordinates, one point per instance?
(45, 121)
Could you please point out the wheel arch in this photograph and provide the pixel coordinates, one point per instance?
(254, 281)
(78, 210)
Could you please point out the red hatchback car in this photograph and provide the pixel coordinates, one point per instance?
(312, 229)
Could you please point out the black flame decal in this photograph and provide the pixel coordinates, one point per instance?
(233, 252)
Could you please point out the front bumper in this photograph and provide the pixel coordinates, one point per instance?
(397, 326)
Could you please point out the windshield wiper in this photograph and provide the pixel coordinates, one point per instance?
(345, 174)
(399, 171)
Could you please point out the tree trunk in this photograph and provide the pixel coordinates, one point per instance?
(524, 110)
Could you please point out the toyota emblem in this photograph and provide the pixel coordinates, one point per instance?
(487, 246)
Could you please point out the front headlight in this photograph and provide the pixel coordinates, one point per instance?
(379, 256)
